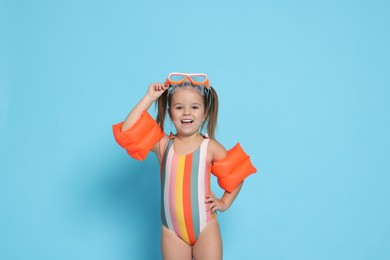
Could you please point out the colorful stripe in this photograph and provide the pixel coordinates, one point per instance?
(179, 200)
(185, 182)
(187, 200)
(194, 192)
(167, 222)
(172, 192)
(201, 188)
(163, 177)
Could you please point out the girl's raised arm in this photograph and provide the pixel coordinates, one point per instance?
(139, 133)
(154, 92)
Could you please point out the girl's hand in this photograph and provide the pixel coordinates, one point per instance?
(213, 204)
(156, 90)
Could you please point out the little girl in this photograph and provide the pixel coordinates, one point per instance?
(188, 207)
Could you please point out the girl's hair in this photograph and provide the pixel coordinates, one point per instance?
(210, 104)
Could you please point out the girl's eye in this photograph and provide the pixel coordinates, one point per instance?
(178, 108)
(195, 107)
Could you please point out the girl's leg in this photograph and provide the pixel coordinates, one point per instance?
(173, 247)
(209, 244)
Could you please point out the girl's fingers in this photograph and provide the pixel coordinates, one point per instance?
(211, 207)
(162, 87)
(210, 196)
(158, 86)
(210, 200)
(214, 207)
(213, 203)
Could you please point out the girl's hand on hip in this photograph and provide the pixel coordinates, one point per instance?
(213, 203)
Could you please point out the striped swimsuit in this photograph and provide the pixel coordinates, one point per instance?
(185, 182)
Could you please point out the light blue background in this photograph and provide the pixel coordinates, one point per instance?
(303, 85)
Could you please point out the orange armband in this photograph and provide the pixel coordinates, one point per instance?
(233, 169)
(140, 138)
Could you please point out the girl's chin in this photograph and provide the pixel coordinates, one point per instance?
(186, 132)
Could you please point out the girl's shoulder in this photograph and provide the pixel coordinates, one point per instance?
(215, 151)
(159, 147)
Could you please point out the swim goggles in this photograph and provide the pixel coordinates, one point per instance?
(197, 81)
(176, 79)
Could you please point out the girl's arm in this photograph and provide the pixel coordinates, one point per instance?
(217, 152)
(154, 92)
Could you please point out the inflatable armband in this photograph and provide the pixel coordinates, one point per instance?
(140, 138)
(233, 169)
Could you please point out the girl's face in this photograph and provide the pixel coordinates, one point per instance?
(187, 111)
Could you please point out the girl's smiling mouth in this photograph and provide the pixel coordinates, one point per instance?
(187, 121)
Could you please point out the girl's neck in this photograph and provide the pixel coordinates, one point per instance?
(187, 144)
(188, 138)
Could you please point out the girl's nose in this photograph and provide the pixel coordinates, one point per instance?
(186, 112)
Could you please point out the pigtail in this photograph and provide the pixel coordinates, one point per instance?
(212, 116)
(162, 104)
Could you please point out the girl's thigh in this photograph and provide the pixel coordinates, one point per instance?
(209, 244)
(173, 247)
